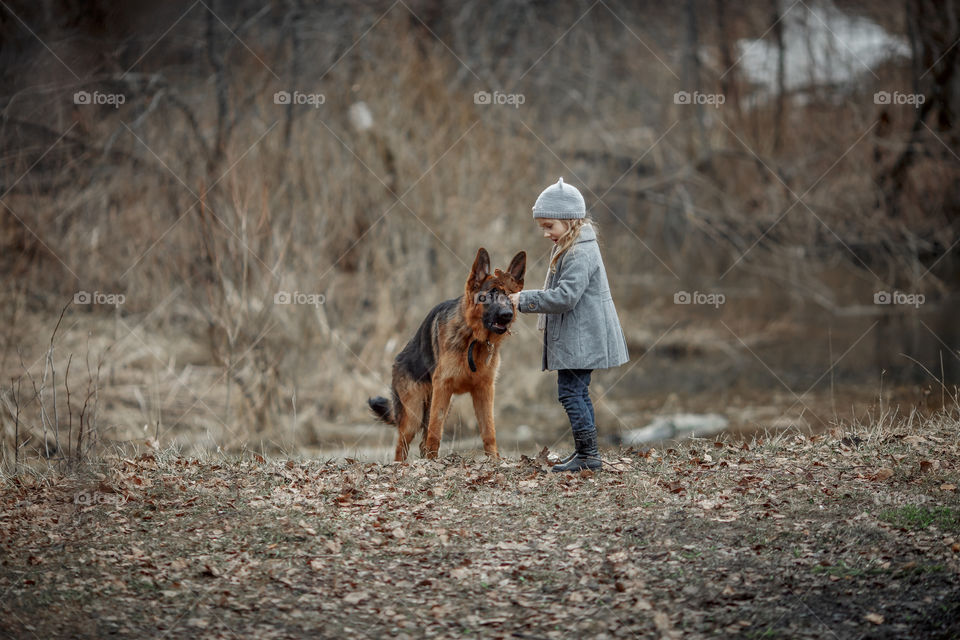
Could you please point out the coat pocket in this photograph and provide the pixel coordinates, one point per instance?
(554, 323)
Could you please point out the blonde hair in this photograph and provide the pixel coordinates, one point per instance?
(567, 239)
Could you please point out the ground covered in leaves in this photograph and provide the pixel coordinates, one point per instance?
(853, 534)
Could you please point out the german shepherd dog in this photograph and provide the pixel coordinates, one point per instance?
(454, 351)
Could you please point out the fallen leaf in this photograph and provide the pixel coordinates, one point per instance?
(929, 465)
(662, 621)
(512, 546)
(882, 474)
(356, 597)
(543, 458)
(333, 546)
(875, 618)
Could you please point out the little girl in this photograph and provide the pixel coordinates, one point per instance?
(577, 315)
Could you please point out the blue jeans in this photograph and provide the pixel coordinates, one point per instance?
(574, 394)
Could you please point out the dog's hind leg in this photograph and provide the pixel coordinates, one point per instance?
(409, 422)
(424, 421)
(404, 437)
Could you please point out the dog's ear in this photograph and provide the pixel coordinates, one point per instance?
(480, 271)
(518, 266)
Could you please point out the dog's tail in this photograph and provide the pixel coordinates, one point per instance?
(381, 408)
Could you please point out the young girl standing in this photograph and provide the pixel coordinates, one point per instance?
(581, 329)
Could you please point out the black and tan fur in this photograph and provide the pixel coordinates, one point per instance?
(456, 337)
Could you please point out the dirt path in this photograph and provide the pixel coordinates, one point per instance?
(847, 535)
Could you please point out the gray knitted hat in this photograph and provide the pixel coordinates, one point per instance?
(562, 201)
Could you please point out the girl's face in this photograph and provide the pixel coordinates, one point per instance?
(553, 228)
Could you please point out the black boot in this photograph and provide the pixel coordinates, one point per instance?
(586, 455)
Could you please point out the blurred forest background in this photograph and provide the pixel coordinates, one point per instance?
(172, 173)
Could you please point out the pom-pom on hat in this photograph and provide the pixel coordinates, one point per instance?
(561, 201)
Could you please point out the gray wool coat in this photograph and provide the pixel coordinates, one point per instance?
(583, 330)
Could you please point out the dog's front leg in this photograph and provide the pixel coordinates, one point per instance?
(439, 404)
(483, 408)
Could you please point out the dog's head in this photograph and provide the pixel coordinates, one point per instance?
(487, 294)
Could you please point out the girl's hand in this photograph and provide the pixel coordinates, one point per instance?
(514, 298)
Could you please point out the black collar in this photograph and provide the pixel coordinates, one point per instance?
(473, 365)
